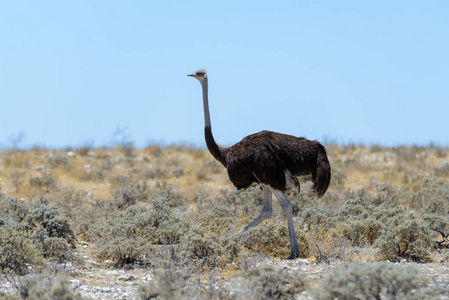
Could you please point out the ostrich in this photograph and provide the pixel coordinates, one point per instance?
(271, 160)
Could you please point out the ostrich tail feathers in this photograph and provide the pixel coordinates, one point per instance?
(323, 173)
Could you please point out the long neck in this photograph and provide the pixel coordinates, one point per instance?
(214, 149)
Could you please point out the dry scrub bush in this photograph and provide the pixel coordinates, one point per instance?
(45, 234)
(376, 281)
(439, 224)
(13, 209)
(430, 195)
(17, 251)
(208, 250)
(442, 171)
(359, 222)
(173, 197)
(58, 161)
(125, 197)
(170, 283)
(267, 282)
(222, 219)
(404, 237)
(35, 287)
(47, 217)
(273, 239)
(126, 236)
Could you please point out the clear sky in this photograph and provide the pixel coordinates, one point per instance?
(76, 72)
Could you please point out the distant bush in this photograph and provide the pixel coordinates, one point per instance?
(125, 197)
(442, 171)
(431, 196)
(58, 161)
(267, 282)
(377, 281)
(44, 183)
(173, 197)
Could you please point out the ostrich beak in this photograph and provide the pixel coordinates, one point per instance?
(190, 75)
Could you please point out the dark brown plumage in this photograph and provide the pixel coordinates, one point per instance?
(271, 159)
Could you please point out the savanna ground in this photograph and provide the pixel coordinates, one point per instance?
(164, 222)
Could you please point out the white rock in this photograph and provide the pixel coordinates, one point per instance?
(127, 277)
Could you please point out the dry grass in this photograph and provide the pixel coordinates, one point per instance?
(108, 195)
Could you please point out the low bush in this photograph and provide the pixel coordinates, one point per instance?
(208, 250)
(267, 282)
(170, 283)
(55, 226)
(439, 224)
(125, 197)
(273, 239)
(17, 251)
(35, 287)
(404, 237)
(376, 281)
(126, 236)
(13, 209)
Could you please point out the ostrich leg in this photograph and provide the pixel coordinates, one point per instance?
(287, 207)
(266, 212)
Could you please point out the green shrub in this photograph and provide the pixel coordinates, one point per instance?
(377, 281)
(55, 225)
(124, 250)
(404, 237)
(170, 283)
(165, 225)
(439, 224)
(17, 251)
(35, 287)
(221, 219)
(236, 198)
(172, 196)
(314, 218)
(267, 282)
(362, 222)
(44, 183)
(273, 239)
(58, 161)
(432, 199)
(126, 236)
(208, 250)
(329, 245)
(125, 197)
(442, 171)
(13, 209)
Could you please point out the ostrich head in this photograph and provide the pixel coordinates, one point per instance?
(200, 75)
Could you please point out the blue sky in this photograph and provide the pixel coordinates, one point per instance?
(341, 71)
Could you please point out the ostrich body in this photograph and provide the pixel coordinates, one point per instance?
(272, 160)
